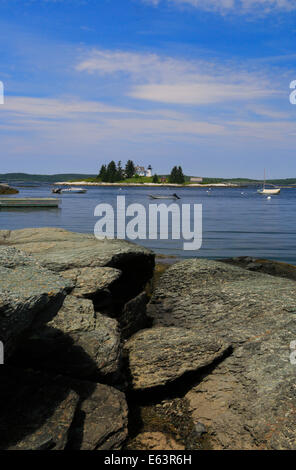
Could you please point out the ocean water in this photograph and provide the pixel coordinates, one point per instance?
(236, 221)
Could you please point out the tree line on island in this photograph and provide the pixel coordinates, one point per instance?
(114, 173)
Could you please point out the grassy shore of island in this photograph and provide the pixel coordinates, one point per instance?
(144, 184)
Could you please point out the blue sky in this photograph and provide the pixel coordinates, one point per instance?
(201, 83)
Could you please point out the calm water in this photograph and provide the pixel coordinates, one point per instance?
(236, 222)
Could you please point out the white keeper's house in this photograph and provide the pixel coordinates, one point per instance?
(141, 171)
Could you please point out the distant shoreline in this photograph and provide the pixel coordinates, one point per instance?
(152, 185)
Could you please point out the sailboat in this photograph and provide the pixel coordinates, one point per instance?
(268, 191)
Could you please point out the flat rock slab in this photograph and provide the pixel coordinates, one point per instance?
(248, 400)
(27, 291)
(90, 282)
(159, 356)
(61, 250)
(78, 342)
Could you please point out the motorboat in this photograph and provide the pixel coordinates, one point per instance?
(69, 190)
(168, 196)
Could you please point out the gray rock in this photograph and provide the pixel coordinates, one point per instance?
(101, 420)
(40, 412)
(61, 250)
(247, 401)
(28, 292)
(91, 282)
(78, 342)
(158, 356)
(134, 316)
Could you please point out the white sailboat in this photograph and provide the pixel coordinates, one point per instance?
(269, 192)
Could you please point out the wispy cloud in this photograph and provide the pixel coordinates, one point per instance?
(136, 65)
(48, 115)
(233, 6)
(53, 108)
(199, 93)
(169, 80)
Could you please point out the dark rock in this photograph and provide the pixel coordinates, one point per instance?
(40, 412)
(78, 342)
(274, 268)
(158, 356)
(248, 400)
(254, 266)
(133, 317)
(101, 420)
(28, 293)
(36, 410)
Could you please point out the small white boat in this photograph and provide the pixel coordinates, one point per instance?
(268, 191)
(169, 196)
(69, 190)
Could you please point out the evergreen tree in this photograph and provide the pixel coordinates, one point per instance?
(103, 173)
(174, 175)
(111, 172)
(177, 176)
(155, 179)
(129, 169)
(120, 176)
(180, 176)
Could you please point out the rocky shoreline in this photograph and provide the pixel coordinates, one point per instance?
(5, 189)
(96, 360)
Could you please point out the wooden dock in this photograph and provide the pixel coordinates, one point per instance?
(29, 202)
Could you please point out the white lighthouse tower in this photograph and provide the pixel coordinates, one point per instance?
(149, 171)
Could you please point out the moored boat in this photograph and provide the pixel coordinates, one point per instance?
(267, 191)
(169, 196)
(69, 190)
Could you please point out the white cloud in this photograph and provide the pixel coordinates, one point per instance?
(233, 6)
(56, 108)
(199, 93)
(148, 66)
(169, 80)
(99, 122)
